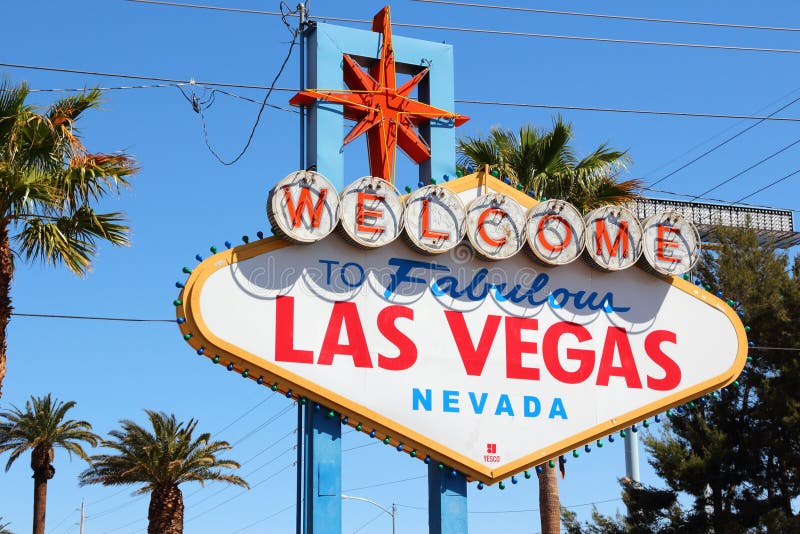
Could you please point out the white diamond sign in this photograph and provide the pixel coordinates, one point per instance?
(490, 367)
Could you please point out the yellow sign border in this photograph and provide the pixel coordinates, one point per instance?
(201, 336)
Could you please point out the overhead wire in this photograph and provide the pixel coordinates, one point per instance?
(611, 17)
(723, 143)
(255, 523)
(769, 185)
(498, 32)
(759, 118)
(748, 169)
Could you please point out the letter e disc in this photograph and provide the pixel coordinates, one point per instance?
(303, 207)
(671, 243)
(613, 238)
(435, 219)
(555, 232)
(496, 226)
(371, 212)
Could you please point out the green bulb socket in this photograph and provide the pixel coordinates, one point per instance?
(440, 467)
(502, 486)
(736, 383)
(551, 463)
(186, 270)
(622, 433)
(414, 453)
(575, 454)
(213, 250)
(749, 358)
(275, 386)
(331, 414)
(386, 440)
(459, 173)
(215, 359)
(691, 404)
(177, 302)
(303, 401)
(599, 443)
(187, 337)
(747, 329)
(527, 474)
(495, 173)
(245, 373)
(433, 181)
(359, 426)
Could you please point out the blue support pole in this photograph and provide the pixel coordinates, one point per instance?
(447, 501)
(323, 486)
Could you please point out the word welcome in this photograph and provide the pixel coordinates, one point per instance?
(305, 207)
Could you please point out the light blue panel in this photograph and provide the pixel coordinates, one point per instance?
(447, 501)
(325, 130)
(323, 472)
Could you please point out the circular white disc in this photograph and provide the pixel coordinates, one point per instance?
(434, 219)
(371, 212)
(303, 207)
(555, 232)
(496, 226)
(671, 243)
(613, 238)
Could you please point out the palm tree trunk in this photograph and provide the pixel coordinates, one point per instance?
(549, 506)
(6, 272)
(42, 472)
(165, 515)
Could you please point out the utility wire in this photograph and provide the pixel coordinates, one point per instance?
(362, 527)
(499, 32)
(720, 134)
(612, 17)
(760, 118)
(711, 199)
(773, 183)
(200, 109)
(270, 516)
(724, 142)
(386, 483)
(748, 169)
(93, 318)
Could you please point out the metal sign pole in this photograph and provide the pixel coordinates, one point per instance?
(323, 468)
(447, 501)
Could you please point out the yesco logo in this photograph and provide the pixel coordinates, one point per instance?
(304, 207)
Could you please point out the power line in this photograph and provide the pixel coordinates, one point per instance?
(251, 525)
(498, 32)
(708, 140)
(758, 118)
(710, 199)
(775, 182)
(93, 318)
(613, 17)
(724, 142)
(626, 110)
(386, 483)
(748, 169)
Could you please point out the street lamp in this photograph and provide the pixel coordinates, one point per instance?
(392, 513)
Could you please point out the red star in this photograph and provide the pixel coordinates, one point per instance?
(381, 109)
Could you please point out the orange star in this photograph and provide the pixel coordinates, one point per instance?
(381, 109)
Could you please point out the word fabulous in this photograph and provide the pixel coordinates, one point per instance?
(305, 207)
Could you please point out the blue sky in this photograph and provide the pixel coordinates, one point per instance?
(183, 202)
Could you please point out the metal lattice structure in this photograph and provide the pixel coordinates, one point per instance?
(772, 225)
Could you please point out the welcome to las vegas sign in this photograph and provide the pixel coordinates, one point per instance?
(461, 321)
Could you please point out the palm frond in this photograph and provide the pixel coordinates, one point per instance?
(70, 240)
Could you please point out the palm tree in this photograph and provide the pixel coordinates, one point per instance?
(161, 460)
(4, 527)
(544, 163)
(41, 428)
(48, 183)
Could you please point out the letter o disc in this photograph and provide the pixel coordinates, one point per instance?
(671, 243)
(435, 219)
(555, 232)
(303, 207)
(371, 212)
(496, 226)
(613, 238)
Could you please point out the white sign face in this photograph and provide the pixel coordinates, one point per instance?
(435, 219)
(613, 238)
(555, 232)
(672, 244)
(303, 207)
(496, 226)
(371, 212)
(489, 368)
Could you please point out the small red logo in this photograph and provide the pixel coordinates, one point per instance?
(491, 448)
